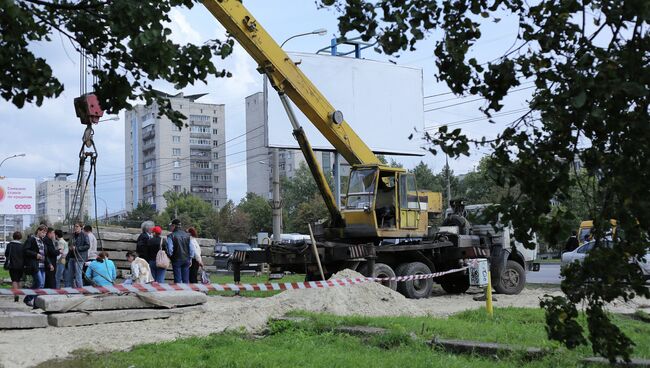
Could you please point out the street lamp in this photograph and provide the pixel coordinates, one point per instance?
(18, 155)
(320, 32)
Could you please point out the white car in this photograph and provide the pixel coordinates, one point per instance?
(579, 254)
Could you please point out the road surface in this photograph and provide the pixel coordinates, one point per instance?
(547, 274)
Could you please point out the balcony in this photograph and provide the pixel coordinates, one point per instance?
(148, 132)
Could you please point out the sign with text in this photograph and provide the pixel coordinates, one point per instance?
(17, 196)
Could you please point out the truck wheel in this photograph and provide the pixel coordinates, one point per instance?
(455, 283)
(381, 270)
(512, 280)
(414, 289)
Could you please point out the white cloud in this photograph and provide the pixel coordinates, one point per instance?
(182, 31)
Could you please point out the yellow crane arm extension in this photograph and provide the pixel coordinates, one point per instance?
(287, 78)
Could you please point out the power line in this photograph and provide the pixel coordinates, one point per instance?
(467, 101)
(473, 120)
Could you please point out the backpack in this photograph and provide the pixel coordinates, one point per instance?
(162, 260)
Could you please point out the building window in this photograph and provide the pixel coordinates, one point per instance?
(176, 138)
(177, 176)
(176, 151)
(215, 166)
(214, 131)
(215, 120)
(199, 129)
(199, 118)
(175, 128)
(149, 164)
(216, 179)
(215, 143)
(203, 142)
(216, 190)
(201, 165)
(177, 188)
(201, 177)
(215, 155)
(177, 164)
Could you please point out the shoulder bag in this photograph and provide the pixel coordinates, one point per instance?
(162, 260)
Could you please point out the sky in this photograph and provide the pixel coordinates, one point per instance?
(50, 135)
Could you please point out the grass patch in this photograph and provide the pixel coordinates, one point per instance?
(313, 343)
(548, 261)
(4, 274)
(252, 279)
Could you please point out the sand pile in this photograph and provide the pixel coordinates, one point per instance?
(366, 299)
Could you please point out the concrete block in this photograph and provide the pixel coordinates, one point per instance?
(114, 316)
(361, 330)
(600, 361)
(486, 348)
(65, 303)
(20, 320)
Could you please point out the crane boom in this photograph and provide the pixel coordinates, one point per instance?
(287, 78)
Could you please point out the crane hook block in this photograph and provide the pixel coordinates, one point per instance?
(88, 109)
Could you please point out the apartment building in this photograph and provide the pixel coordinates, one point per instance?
(55, 198)
(162, 157)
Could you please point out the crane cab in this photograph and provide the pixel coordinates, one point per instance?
(383, 202)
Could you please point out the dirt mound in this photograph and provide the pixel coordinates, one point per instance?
(366, 299)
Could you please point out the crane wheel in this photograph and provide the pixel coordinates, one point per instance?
(512, 279)
(414, 289)
(455, 283)
(381, 270)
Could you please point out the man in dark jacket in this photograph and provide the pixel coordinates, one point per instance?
(180, 252)
(143, 239)
(77, 256)
(51, 253)
(34, 261)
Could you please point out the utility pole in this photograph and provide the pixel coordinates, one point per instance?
(277, 207)
(448, 175)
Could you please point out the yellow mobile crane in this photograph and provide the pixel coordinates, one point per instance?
(384, 227)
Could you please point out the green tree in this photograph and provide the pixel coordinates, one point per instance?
(310, 211)
(258, 211)
(425, 179)
(232, 224)
(142, 212)
(128, 43)
(190, 209)
(587, 61)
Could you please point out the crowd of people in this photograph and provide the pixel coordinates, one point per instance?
(52, 262)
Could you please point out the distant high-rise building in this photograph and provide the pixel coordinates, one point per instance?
(55, 198)
(161, 157)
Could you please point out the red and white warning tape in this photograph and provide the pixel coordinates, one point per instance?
(139, 288)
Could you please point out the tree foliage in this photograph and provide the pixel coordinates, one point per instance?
(588, 62)
(190, 209)
(258, 211)
(302, 202)
(142, 212)
(128, 42)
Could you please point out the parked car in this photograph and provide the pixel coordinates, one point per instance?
(223, 254)
(580, 253)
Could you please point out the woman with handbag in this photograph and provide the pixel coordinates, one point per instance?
(197, 263)
(14, 261)
(157, 256)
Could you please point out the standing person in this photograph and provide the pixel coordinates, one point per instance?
(571, 243)
(140, 270)
(77, 256)
(156, 244)
(197, 262)
(14, 261)
(143, 239)
(180, 252)
(102, 270)
(51, 254)
(34, 261)
(92, 240)
(62, 245)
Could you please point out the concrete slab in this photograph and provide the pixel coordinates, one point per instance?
(599, 361)
(361, 330)
(21, 320)
(487, 348)
(66, 303)
(114, 316)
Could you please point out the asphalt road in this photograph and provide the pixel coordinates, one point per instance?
(547, 274)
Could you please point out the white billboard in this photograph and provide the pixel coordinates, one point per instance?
(17, 196)
(382, 102)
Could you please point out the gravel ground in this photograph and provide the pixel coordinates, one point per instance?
(23, 348)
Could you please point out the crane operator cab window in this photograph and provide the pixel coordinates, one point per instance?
(385, 202)
(361, 189)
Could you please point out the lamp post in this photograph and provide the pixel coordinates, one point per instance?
(105, 210)
(4, 216)
(320, 32)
